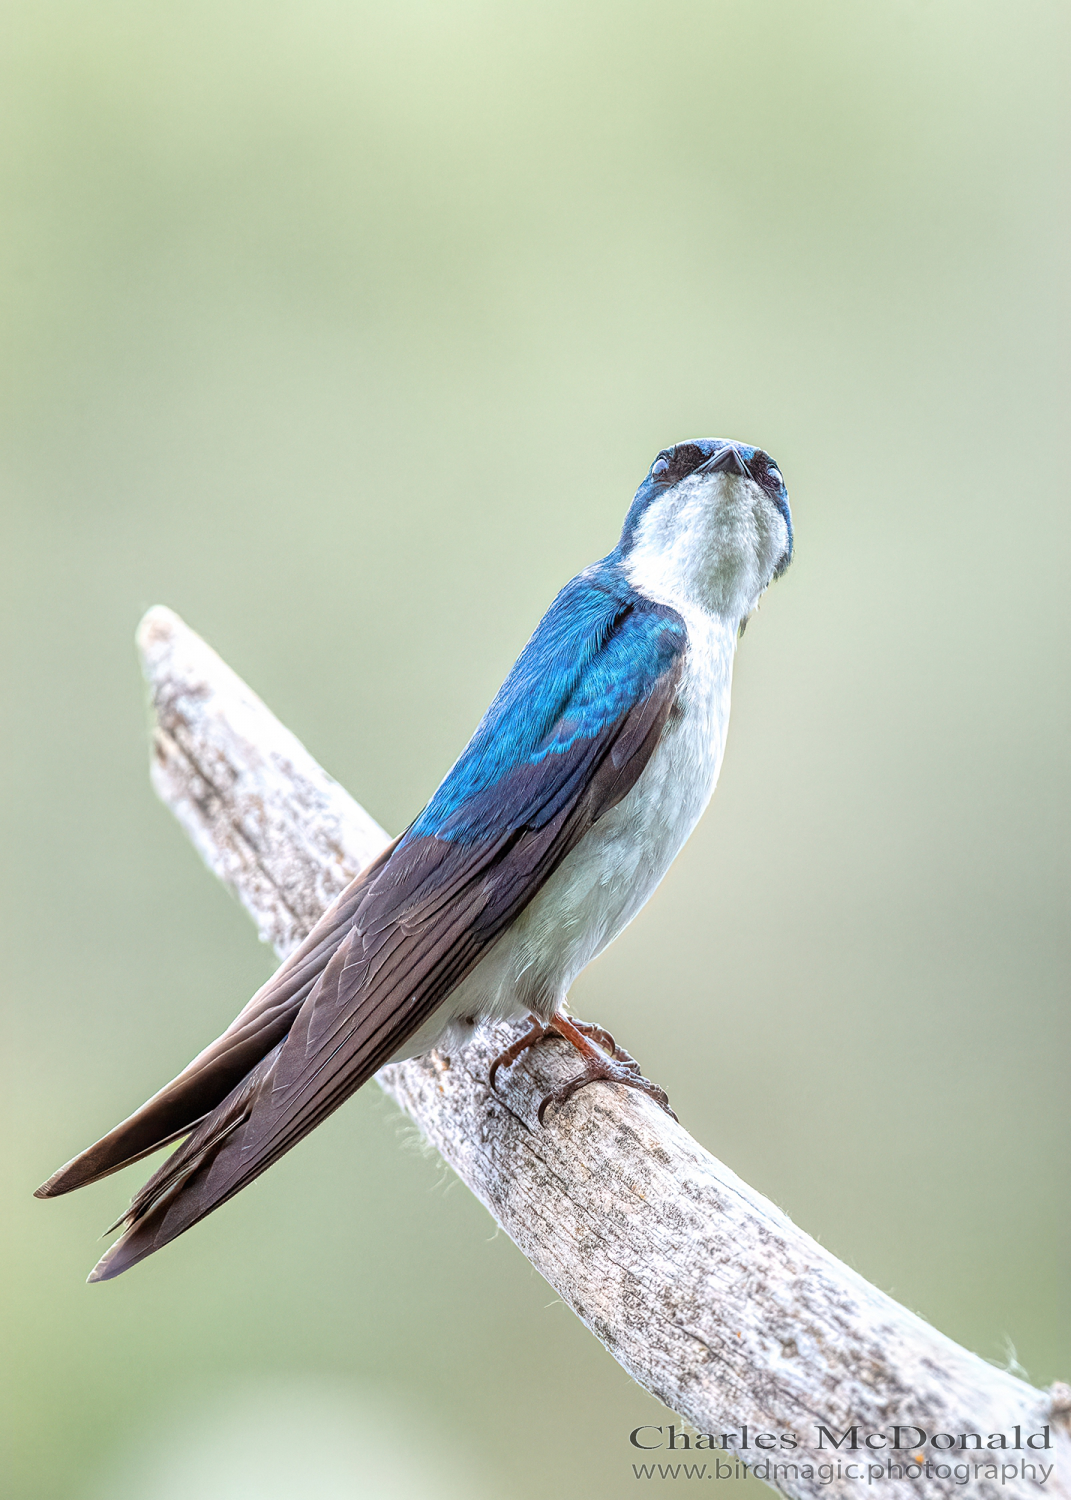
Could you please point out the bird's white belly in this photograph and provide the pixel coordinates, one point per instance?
(601, 885)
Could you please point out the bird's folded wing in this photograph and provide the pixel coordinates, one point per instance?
(539, 772)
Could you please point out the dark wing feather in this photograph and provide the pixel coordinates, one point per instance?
(394, 968)
(408, 931)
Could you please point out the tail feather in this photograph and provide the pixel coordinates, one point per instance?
(190, 1098)
(168, 1203)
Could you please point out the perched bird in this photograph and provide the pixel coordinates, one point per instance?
(564, 811)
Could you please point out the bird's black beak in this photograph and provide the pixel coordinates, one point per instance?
(727, 461)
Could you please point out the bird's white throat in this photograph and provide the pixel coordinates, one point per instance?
(712, 542)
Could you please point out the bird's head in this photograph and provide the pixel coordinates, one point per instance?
(710, 526)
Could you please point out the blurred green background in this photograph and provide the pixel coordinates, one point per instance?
(347, 330)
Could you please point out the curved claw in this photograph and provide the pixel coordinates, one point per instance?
(567, 1090)
(535, 1033)
(621, 1069)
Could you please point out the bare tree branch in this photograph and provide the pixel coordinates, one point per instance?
(703, 1290)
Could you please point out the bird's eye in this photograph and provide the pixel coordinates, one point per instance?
(775, 475)
(660, 465)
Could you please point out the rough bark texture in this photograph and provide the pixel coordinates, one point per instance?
(703, 1290)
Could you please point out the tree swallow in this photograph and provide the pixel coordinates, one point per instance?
(564, 811)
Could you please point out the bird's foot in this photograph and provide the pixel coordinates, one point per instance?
(612, 1064)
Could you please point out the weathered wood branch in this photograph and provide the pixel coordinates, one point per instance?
(704, 1291)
